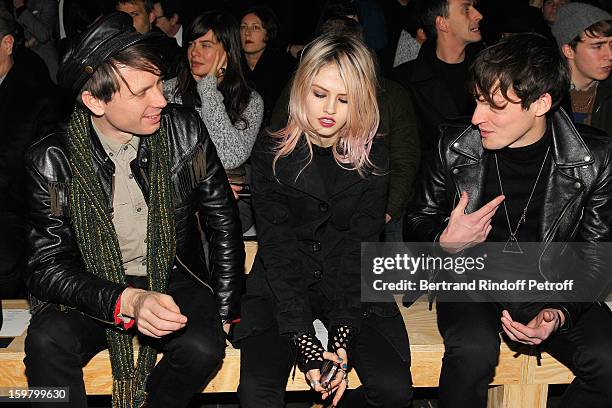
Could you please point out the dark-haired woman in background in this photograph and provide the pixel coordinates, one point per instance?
(269, 67)
(212, 81)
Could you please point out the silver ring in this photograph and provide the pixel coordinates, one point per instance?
(314, 383)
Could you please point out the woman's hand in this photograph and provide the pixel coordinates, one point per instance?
(219, 65)
(338, 384)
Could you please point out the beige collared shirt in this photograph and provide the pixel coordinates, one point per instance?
(130, 209)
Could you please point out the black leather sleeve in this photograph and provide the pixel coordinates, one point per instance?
(56, 272)
(218, 214)
(428, 213)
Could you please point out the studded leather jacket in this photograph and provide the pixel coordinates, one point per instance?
(56, 272)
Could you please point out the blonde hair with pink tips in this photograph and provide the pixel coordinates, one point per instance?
(357, 69)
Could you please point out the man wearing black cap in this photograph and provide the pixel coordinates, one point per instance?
(114, 236)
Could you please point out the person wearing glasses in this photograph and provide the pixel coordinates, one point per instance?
(269, 66)
(168, 19)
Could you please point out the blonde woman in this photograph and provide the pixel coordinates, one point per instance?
(319, 190)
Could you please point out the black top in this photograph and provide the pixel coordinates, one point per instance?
(269, 77)
(328, 168)
(455, 78)
(518, 168)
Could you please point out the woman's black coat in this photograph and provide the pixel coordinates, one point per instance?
(309, 239)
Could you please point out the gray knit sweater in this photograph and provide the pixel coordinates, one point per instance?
(233, 143)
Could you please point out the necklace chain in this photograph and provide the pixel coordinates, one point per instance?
(523, 217)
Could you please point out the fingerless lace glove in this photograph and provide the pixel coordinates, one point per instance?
(341, 337)
(309, 351)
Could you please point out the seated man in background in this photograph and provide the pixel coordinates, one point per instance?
(28, 108)
(584, 34)
(114, 236)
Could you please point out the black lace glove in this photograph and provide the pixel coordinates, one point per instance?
(309, 351)
(341, 337)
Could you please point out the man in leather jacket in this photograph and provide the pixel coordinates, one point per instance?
(117, 200)
(520, 172)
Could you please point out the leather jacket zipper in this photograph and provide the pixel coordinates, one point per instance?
(193, 274)
(552, 233)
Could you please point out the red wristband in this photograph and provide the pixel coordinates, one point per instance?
(121, 320)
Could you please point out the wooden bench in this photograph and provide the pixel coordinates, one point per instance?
(518, 381)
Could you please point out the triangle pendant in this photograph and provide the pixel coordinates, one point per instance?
(512, 246)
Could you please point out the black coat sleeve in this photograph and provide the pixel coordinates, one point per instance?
(278, 246)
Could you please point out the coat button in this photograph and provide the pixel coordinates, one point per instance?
(317, 274)
(456, 144)
(455, 171)
(144, 160)
(323, 207)
(587, 158)
(316, 246)
(577, 185)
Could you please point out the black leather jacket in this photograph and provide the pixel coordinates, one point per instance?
(578, 196)
(56, 272)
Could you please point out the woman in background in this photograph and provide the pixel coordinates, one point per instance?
(269, 67)
(212, 81)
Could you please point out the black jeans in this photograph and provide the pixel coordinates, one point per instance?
(59, 344)
(266, 361)
(471, 341)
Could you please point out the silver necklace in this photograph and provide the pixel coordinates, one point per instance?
(512, 245)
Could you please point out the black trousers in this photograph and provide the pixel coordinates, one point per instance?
(59, 344)
(266, 361)
(471, 340)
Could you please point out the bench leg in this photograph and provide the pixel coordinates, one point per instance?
(518, 396)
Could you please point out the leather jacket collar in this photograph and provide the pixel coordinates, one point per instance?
(568, 147)
(569, 151)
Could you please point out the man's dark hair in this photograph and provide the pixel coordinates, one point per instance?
(529, 64)
(8, 25)
(429, 10)
(601, 28)
(104, 82)
(269, 21)
(148, 4)
(170, 8)
(334, 9)
(342, 26)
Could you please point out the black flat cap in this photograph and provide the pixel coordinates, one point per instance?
(87, 51)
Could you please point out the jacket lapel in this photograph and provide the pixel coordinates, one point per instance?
(469, 171)
(569, 151)
(298, 172)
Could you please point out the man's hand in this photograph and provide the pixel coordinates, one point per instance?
(156, 314)
(18, 3)
(467, 230)
(537, 330)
